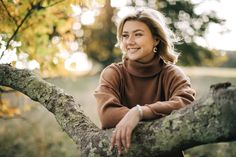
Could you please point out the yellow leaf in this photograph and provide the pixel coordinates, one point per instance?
(17, 112)
(4, 108)
(7, 110)
(4, 105)
(13, 111)
(5, 102)
(1, 114)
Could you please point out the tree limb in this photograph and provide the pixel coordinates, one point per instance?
(207, 121)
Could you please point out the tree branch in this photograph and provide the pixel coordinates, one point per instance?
(54, 3)
(29, 12)
(36, 6)
(207, 121)
(9, 14)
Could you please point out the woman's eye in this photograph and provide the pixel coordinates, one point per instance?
(138, 34)
(125, 35)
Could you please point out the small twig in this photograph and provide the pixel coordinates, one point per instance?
(54, 4)
(30, 11)
(9, 14)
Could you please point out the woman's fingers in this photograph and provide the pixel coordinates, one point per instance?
(118, 141)
(123, 137)
(113, 139)
(128, 137)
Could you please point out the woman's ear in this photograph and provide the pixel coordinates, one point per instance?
(157, 41)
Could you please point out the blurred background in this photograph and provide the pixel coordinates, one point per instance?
(69, 42)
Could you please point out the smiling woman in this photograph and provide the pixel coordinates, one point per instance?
(146, 84)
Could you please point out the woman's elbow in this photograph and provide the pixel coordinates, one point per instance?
(106, 123)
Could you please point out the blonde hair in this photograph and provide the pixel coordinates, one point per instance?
(156, 23)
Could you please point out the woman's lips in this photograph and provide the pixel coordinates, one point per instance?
(132, 50)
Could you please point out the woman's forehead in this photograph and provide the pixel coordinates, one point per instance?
(134, 25)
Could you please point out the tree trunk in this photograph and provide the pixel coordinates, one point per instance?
(205, 121)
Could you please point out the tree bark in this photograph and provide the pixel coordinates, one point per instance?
(209, 120)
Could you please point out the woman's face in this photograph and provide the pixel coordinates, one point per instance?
(137, 41)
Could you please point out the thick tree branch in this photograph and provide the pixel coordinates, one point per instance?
(210, 120)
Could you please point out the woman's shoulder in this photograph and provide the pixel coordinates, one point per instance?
(112, 71)
(113, 68)
(173, 70)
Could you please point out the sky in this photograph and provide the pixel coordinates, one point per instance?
(215, 39)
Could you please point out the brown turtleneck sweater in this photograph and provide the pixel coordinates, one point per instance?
(162, 87)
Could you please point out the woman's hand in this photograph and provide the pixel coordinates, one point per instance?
(121, 136)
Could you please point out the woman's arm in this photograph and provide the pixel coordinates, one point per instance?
(111, 112)
(178, 94)
(107, 94)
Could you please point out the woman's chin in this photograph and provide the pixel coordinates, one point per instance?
(132, 57)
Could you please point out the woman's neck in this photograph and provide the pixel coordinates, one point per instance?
(140, 69)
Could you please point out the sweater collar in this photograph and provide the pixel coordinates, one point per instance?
(143, 69)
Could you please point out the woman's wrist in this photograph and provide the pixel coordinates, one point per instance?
(140, 111)
(144, 112)
(147, 113)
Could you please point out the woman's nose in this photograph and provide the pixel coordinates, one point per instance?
(131, 40)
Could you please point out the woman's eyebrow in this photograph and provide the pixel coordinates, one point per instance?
(137, 30)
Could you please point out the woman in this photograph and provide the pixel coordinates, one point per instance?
(146, 84)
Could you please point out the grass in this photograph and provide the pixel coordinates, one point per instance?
(25, 139)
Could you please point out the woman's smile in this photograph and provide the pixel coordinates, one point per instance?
(133, 50)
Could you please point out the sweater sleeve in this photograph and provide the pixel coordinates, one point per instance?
(177, 90)
(110, 109)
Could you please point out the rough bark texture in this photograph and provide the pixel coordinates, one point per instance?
(207, 121)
